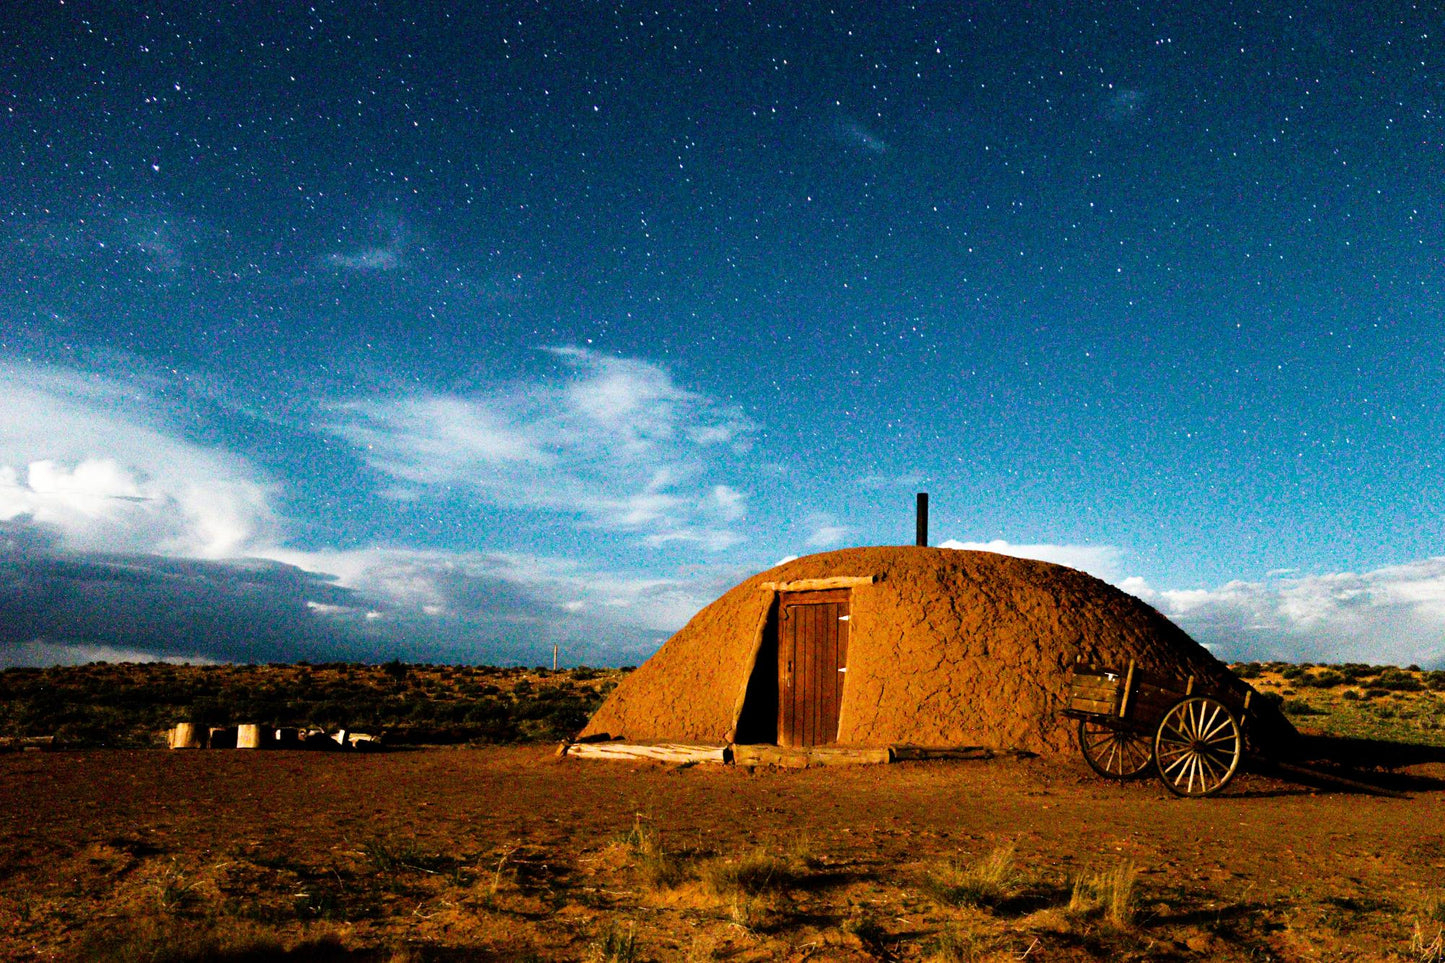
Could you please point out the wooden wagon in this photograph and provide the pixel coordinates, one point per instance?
(1194, 740)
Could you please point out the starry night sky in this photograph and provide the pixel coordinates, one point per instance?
(355, 330)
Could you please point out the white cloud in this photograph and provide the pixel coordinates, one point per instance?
(615, 440)
(911, 480)
(1393, 615)
(370, 259)
(99, 463)
(827, 535)
(855, 135)
(709, 539)
(41, 653)
(376, 258)
(727, 502)
(1100, 561)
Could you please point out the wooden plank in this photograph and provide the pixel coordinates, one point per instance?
(1079, 679)
(840, 677)
(804, 654)
(1093, 705)
(920, 753)
(1099, 693)
(826, 621)
(803, 757)
(818, 584)
(665, 752)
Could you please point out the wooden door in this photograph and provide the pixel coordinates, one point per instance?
(812, 664)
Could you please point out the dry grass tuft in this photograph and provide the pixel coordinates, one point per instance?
(1433, 909)
(174, 889)
(169, 940)
(953, 945)
(1109, 894)
(985, 883)
(751, 873)
(657, 868)
(616, 946)
(1426, 950)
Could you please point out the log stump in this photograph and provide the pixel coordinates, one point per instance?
(185, 735)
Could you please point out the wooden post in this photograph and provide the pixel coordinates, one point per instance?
(248, 736)
(1128, 688)
(921, 535)
(185, 736)
(554, 656)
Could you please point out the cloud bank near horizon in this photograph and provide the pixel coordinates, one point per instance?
(122, 536)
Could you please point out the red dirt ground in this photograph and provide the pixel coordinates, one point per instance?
(513, 854)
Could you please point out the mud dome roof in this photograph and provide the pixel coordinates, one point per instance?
(946, 648)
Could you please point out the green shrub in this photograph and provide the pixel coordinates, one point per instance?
(1398, 681)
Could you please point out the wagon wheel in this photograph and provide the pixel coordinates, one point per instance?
(1114, 753)
(1198, 746)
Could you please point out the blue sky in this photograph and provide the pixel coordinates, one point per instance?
(364, 332)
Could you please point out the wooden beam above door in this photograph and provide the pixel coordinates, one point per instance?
(818, 584)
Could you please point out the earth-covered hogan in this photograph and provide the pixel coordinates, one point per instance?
(906, 646)
(127, 705)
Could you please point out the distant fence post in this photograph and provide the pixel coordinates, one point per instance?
(921, 536)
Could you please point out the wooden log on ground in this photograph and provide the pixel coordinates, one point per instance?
(668, 752)
(923, 753)
(803, 757)
(26, 743)
(364, 741)
(316, 739)
(248, 736)
(185, 735)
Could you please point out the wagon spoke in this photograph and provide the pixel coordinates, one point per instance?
(1224, 725)
(1210, 727)
(1180, 760)
(1114, 752)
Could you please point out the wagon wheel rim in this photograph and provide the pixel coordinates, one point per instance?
(1198, 747)
(1114, 753)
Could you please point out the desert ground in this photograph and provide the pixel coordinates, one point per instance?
(511, 853)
